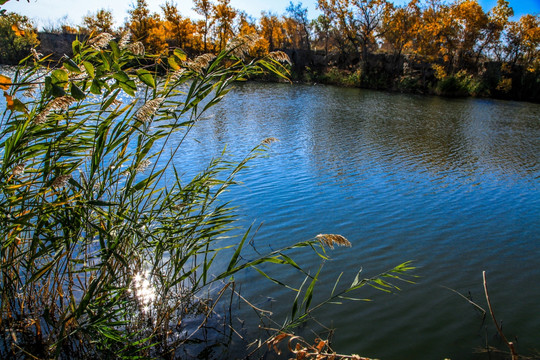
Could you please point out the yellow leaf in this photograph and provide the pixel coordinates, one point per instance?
(4, 82)
(9, 100)
(16, 30)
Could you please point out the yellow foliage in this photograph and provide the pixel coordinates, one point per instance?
(440, 73)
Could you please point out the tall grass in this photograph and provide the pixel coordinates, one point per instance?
(105, 246)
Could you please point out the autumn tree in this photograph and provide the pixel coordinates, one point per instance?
(431, 41)
(17, 36)
(101, 21)
(298, 25)
(224, 15)
(469, 21)
(340, 13)
(399, 26)
(489, 43)
(523, 42)
(182, 30)
(205, 9)
(140, 20)
(247, 27)
(272, 30)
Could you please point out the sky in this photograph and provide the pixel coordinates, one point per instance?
(48, 12)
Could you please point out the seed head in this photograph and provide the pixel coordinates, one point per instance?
(143, 165)
(124, 40)
(145, 113)
(61, 181)
(241, 45)
(61, 103)
(331, 239)
(137, 48)
(280, 56)
(35, 54)
(18, 170)
(269, 140)
(101, 41)
(201, 62)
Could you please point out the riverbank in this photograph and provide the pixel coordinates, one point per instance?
(408, 74)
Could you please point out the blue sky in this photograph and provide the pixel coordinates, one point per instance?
(47, 12)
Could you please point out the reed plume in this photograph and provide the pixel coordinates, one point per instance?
(145, 113)
(137, 48)
(331, 239)
(269, 140)
(201, 62)
(101, 41)
(241, 45)
(280, 56)
(61, 103)
(124, 40)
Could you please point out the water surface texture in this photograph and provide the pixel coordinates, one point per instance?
(452, 184)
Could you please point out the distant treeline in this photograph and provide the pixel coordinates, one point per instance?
(429, 46)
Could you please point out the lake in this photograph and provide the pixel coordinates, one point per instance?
(452, 184)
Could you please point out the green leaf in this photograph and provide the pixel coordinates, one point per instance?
(125, 82)
(89, 69)
(146, 77)
(172, 63)
(115, 49)
(95, 88)
(76, 47)
(295, 303)
(309, 292)
(356, 280)
(110, 100)
(181, 55)
(76, 92)
(236, 254)
(71, 66)
(59, 78)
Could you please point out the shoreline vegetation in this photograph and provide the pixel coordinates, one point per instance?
(452, 48)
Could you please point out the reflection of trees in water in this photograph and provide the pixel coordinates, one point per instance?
(347, 134)
(422, 134)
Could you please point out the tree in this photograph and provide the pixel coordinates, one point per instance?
(322, 27)
(367, 18)
(224, 15)
(101, 21)
(205, 9)
(470, 23)
(523, 42)
(490, 40)
(17, 36)
(181, 30)
(140, 21)
(299, 24)
(399, 26)
(272, 30)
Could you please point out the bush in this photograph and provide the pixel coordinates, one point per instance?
(17, 37)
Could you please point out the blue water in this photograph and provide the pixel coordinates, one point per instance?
(452, 184)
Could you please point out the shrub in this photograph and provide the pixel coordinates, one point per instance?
(17, 37)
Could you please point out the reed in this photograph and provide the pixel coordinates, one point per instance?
(105, 247)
